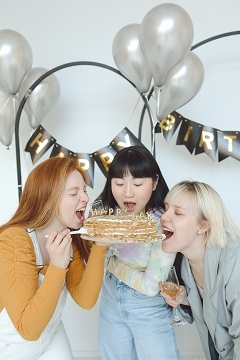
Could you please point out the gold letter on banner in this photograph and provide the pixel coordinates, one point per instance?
(189, 129)
(84, 164)
(170, 124)
(106, 159)
(124, 139)
(41, 144)
(230, 142)
(206, 138)
(169, 120)
(127, 143)
(208, 142)
(37, 148)
(228, 145)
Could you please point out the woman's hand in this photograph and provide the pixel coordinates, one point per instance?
(58, 247)
(180, 298)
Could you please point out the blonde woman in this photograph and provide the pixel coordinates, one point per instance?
(36, 271)
(198, 227)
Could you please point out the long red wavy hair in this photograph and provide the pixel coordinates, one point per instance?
(41, 196)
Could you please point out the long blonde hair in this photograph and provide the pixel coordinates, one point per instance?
(209, 207)
(41, 196)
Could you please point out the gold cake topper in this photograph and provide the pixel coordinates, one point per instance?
(120, 212)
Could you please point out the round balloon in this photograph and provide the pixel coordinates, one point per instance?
(15, 60)
(129, 58)
(182, 84)
(43, 96)
(8, 106)
(165, 36)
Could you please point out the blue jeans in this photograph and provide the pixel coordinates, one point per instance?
(133, 326)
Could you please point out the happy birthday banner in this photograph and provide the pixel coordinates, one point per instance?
(196, 137)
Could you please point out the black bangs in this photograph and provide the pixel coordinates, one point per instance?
(134, 163)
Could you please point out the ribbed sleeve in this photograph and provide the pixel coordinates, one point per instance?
(30, 307)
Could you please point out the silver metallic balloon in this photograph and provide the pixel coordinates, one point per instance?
(165, 36)
(15, 60)
(182, 84)
(8, 106)
(42, 98)
(129, 58)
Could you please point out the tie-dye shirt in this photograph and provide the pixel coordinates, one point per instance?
(138, 265)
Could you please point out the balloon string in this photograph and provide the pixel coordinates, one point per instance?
(146, 106)
(134, 109)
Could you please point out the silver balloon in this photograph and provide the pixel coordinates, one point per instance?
(129, 58)
(15, 60)
(182, 84)
(8, 106)
(165, 36)
(42, 98)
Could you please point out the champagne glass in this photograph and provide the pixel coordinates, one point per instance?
(170, 285)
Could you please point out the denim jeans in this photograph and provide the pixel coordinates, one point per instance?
(133, 326)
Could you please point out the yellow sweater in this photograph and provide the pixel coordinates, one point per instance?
(30, 308)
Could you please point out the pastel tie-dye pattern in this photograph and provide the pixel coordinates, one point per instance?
(138, 265)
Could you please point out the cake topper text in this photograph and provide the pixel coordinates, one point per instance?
(141, 215)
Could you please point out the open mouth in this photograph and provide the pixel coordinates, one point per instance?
(81, 214)
(129, 205)
(167, 233)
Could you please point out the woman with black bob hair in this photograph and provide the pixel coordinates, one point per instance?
(141, 164)
(134, 319)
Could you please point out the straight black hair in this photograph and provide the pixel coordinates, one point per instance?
(140, 163)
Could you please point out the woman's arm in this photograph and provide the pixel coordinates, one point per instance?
(84, 283)
(29, 307)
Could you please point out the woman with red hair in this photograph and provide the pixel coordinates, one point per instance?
(36, 271)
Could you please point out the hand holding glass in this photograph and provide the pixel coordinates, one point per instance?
(170, 285)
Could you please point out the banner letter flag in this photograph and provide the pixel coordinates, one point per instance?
(39, 143)
(61, 151)
(228, 145)
(125, 139)
(189, 134)
(86, 163)
(170, 124)
(208, 142)
(104, 157)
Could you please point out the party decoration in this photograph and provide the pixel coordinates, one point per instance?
(85, 161)
(124, 139)
(42, 98)
(208, 142)
(104, 157)
(8, 105)
(199, 139)
(39, 143)
(15, 60)
(165, 36)
(182, 84)
(129, 59)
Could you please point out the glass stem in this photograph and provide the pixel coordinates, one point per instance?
(175, 313)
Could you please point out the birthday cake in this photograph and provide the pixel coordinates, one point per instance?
(124, 228)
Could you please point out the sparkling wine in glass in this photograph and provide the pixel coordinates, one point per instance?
(170, 285)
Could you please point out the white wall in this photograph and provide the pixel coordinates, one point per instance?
(96, 104)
